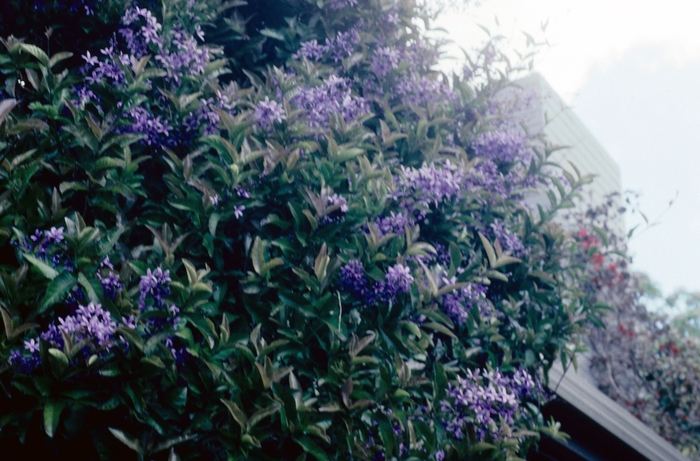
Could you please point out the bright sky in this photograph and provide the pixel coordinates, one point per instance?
(631, 71)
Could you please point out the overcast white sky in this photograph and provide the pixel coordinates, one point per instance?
(631, 72)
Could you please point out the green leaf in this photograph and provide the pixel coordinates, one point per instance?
(108, 162)
(59, 361)
(52, 414)
(92, 295)
(132, 336)
(236, 413)
(263, 413)
(7, 320)
(348, 154)
(48, 271)
(171, 442)
(5, 107)
(57, 289)
(127, 439)
(213, 222)
(490, 253)
(505, 260)
(312, 448)
(58, 57)
(36, 52)
(602, 234)
(441, 328)
(257, 255)
(272, 34)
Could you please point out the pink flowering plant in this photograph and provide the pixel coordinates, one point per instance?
(642, 359)
(272, 230)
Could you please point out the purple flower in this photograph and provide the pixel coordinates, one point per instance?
(384, 60)
(91, 325)
(24, 364)
(54, 235)
(397, 282)
(353, 279)
(111, 285)
(238, 211)
(439, 455)
(510, 243)
(90, 60)
(459, 303)
(400, 278)
(418, 189)
(311, 50)
(129, 322)
(481, 400)
(343, 45)
(393, 224)
(332, 97)
(156, 284)
(154, 127)
(32, 345)
(502, 146)
(422, 91)
(267, 113)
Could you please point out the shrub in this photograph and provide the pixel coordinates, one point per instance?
(273, 231)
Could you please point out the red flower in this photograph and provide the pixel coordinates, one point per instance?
(598, 258)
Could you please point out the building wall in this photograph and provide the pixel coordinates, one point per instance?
(548, 114)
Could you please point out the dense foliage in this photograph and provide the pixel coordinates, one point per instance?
(271, 230)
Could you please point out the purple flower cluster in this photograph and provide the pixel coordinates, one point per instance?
(267, 113)
(91, 326)
(398, 281)
(137, 41)
(332, 97)
(422, 91)
(106, 70)
(111, 284)
(90, 323)
(311, 50)
(395, 223)
(49, 246)
(384, 60)
(483, 399)
(188, 58)
(502, 146)
(510, 243)
(353, 279)
(156, 285)
(176, 52)
(154, 127)
(442, 256)
(343, 45)
(205, 116)
(489, 183)
(459, 303)
(418, 189)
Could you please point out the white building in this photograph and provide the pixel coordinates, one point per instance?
(548, 114)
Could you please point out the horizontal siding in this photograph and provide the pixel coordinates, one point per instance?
(550, 115)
